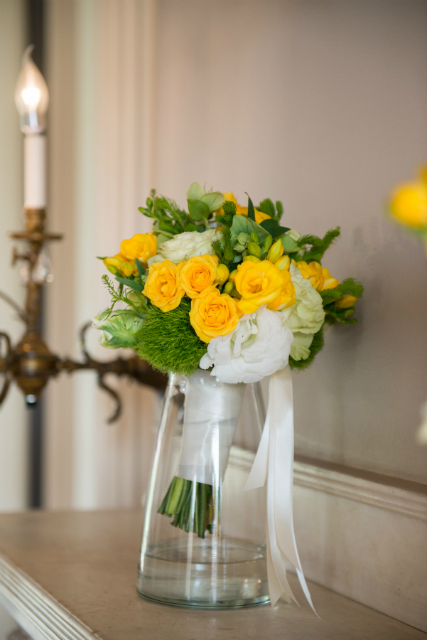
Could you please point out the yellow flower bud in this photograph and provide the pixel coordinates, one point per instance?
(222, 273)
(283, 263)
(233, 275)
(114, 264)
(346, 302)
(275, 252)
(254, 249)
(127, 269)
(254, 237)
(251, 259)
(228, 287)
(267, 243)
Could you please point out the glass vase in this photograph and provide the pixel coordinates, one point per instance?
(203, 541)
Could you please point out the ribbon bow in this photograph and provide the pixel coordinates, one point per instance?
(274, 463)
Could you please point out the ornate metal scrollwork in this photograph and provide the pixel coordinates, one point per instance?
(30, 363)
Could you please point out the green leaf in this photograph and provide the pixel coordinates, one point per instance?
(315, 347)
(195, 192)
(198, 210)
(161, 238)
(140, 268)
(101, 257)
(347, 287)
(340, 315)
(279, 207)
(242, 224)
(319, 245)
(251, 210)
(267, 207)
(273, 227)
(289, 245)
(191, 226)
(168, 226)
(214, 200)
(130, 283)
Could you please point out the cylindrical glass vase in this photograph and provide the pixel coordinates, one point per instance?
(203, 539)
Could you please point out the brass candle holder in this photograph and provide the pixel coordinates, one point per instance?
(30, 363)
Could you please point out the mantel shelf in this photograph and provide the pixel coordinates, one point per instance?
(71, 576)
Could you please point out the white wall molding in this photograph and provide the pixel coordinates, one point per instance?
(347, 484)
(358, 536)
(384, 496)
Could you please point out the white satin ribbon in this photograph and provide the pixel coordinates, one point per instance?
(274, 463)
(211, 413)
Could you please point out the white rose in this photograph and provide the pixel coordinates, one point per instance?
(258, 347)
(185, 246)
(307, 315)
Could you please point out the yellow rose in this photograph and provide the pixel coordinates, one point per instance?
(142, 246)
(163, 285)
(346, 302)
(409, 202)
(243, 211)
(262, 283)
(214, 315)
(319, 277)
(287, 294)
(198, 275)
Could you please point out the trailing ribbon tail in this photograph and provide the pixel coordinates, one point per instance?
(274, 463)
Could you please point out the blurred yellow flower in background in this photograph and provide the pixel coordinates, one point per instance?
(142, 246)
(163, 285)
(243, 211)
(198, 275)
(408, 202)
(214, 315)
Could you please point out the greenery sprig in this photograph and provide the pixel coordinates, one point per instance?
(121, 295)
(318, 246)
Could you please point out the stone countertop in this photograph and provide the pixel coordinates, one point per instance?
(72, 575)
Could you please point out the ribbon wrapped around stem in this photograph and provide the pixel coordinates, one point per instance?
(274, 463)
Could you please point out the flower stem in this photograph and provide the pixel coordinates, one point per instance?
(192, 504)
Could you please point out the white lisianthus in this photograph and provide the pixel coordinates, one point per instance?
(186, 245)
(307, 314)
(258, 347)
(300, 349)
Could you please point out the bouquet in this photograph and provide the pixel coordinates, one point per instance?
(224, 288)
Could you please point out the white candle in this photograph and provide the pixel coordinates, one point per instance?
(35, 171)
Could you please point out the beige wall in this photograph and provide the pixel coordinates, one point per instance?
(99, 76)
(322, 105)
(13, 423)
